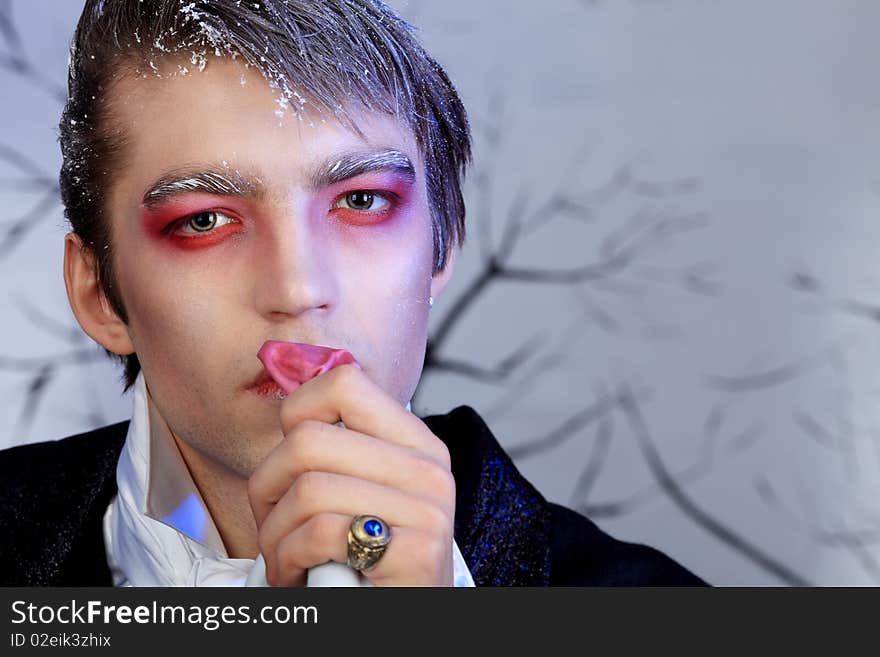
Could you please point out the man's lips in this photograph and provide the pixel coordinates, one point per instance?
(266, 386)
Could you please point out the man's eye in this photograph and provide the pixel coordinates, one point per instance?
(205, 222)
(363, 201)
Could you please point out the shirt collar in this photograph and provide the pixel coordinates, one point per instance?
(171, 496)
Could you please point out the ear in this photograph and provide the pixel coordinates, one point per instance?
(87, 300)
(441, 278)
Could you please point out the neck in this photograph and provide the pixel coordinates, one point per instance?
(225, 495)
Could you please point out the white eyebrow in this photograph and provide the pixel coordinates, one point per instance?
(210, 181)
(349, 165)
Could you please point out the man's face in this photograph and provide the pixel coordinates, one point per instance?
(293, 253)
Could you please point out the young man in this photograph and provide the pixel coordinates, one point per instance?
(240, 172)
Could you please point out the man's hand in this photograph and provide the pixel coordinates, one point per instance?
(385, 462)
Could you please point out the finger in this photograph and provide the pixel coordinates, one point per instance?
(315, 493)
(322, 538)
(414, 557)
(322, 447)
(346, 394)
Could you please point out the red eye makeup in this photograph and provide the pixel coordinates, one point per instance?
(364, 207)
(191, 222)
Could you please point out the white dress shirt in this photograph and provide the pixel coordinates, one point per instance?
(157, 529)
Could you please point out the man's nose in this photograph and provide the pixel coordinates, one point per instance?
(294, 272)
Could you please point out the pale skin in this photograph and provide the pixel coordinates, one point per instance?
(289, 262)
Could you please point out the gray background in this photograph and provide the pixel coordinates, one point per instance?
(678, 336)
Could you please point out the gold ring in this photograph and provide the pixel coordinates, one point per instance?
(368, 536)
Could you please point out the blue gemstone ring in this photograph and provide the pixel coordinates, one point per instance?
(368, 537)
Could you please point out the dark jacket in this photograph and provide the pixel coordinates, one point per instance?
(53, 496)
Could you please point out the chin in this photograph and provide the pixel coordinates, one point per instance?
(243, 465)
(242, 452)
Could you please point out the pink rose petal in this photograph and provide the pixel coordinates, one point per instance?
(291, 364)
